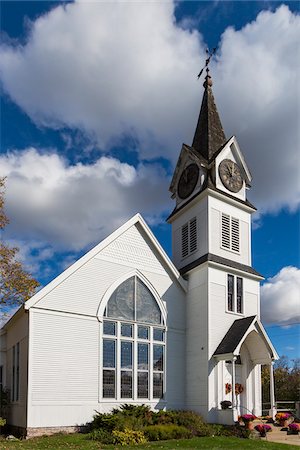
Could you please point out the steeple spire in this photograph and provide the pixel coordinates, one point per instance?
(209, 135)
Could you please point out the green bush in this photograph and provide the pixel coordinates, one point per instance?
(2, 422)
(129, 437)
(103, 436)
(106, 422)
(165, 432)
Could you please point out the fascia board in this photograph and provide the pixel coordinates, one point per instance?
(230, 200)
(266, 337)
(241, 157)
(98, 248)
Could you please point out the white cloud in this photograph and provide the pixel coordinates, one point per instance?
(70, 207)
(112, 69)
(280, 297)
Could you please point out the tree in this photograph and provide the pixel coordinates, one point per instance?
(16, 284)
(286, 377)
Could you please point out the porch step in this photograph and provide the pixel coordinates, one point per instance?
(276, 435)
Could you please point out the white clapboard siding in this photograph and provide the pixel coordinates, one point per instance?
(81, 292)
(132, 249)
(64, 356)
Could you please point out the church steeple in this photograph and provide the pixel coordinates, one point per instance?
(209, 135)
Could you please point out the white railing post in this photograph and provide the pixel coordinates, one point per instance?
(272, 411)
(233, 396)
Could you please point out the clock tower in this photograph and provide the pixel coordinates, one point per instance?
(211, 239)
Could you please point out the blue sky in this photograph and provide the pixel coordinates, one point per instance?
(92, 122)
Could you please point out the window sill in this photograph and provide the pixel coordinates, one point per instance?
(235, 313)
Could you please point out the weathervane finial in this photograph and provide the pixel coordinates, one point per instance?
(209, 54)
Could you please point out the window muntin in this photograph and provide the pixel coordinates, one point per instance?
(230, 233)
(235, 294)
(189, 240)
(133, 349)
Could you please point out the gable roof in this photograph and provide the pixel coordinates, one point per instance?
(135, 220)
(236, 335)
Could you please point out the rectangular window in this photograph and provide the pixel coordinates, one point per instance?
(157, 385)
(126, 384)
(230, 293)
(109, 368)
(189, 239)
(239, 295)
(235, 294)
(143, 384)
(15, 372)
(230, 233)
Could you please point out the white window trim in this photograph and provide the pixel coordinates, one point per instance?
(234, 311)
(230, 249)
(135, 340)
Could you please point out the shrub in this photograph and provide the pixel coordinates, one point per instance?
(167, 431)
(2, 422)
(129, 437)
(193, 422)
(106, 422)
(104, 436)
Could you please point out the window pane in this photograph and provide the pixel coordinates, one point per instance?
(109, 384)
(157, 385)
(158, 357)
(147, 309)
(109, 353)
(158, 334)
(109, 328)
(126, 355)
(142, 384)
(143, 356)
(239, 295)
(121, 303)
(126, 330)
(126, 384)
(143, 332)
(230, 292)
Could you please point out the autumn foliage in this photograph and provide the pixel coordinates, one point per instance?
(16, 284)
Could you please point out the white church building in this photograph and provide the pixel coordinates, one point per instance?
(125, 324)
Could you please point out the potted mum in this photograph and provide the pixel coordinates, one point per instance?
(226, 404)
(294, 428)
(248, 420)
(283, 418)
(263, 429)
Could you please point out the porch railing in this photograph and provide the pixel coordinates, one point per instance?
(285, 405)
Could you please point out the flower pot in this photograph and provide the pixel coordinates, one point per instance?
(284, 423)
(249, 425)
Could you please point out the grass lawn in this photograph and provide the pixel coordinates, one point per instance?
(80, 442)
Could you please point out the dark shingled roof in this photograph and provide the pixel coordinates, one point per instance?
(234, 335)
(209, 134)
(219, 260)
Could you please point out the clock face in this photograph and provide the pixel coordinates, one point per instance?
(230, 175)
(188, 181)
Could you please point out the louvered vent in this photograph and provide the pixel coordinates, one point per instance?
(193, 235)
(189, 240)
(235, 235)
(185, 240)
(225, 231)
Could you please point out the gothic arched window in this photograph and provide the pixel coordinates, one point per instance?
(133, 349)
